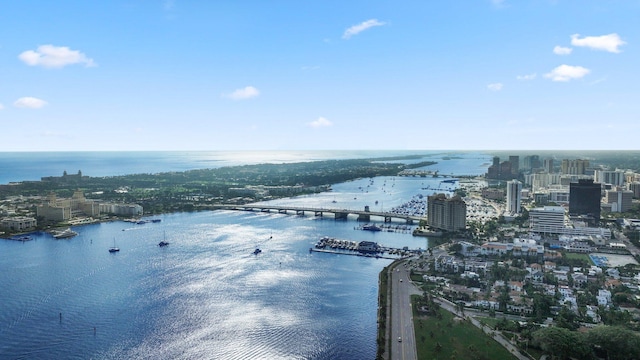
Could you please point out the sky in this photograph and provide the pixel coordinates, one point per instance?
(319, 75)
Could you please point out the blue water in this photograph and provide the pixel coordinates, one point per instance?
(205, 296)
(21, 166)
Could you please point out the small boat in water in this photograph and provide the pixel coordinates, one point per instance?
(114, 248)
(164, 242)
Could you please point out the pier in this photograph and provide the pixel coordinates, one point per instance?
(362, 215)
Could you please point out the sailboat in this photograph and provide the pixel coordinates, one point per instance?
(164, 242)
(114, 248)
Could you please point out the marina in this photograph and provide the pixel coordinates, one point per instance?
(362, 248)
(397, 228)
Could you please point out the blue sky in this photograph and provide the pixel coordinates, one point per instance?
(326, 75)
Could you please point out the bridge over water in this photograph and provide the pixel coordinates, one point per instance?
(363, 215)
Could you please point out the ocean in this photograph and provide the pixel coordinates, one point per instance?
(206, 295)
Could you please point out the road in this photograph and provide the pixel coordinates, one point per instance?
(402, 316)
(632, 248)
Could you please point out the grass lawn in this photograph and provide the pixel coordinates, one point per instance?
(583, 257)
(442, 337)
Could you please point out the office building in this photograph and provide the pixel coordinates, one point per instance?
(619, 199)
(547, 220)
(584, 200)
(615, 178)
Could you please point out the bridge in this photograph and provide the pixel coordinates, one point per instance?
(363, 215)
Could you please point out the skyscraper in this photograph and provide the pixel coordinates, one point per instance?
(448, 214)
(548, 165)
(515, 164)
(584, 200)
(514, 196)
(574, 167)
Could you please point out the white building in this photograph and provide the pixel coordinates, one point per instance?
(615, 178)
(619, 199)
(19, 223)
(547, 219)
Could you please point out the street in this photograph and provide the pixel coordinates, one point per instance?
(403, 344)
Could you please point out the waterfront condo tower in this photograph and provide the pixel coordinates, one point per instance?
(445, 213)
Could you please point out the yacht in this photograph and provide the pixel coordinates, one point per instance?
(64, 234)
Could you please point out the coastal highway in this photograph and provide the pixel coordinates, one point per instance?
(402, 316)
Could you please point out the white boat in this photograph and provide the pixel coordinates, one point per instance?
(68, 233)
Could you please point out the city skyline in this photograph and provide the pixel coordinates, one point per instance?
(178, 75)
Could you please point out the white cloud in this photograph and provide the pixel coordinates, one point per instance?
(50, 56)
(567, 72)
(356, 29)
(29, 103)
(495, 87)
(559, 50)
(320, 122)
(498, 3)
(1, 106)
(247, 92)
(608, 43)
(527, 77)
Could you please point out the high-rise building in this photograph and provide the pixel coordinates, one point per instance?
(448, 214)
(531, 162)
(515, 164)
(635, 188)
(584, 200)
(547, 220)
(619, 199)
(615, 178)
(548, 165)
(575, 167)
(514, 196)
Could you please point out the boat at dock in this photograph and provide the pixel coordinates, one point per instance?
(21, 238)
(64, 234)
(371, 227)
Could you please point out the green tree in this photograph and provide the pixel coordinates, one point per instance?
(614, 342)
(562, 343)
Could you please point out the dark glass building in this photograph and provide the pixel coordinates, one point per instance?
(584, 200)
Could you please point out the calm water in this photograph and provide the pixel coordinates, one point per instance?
(19, 166)
(205, 295)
